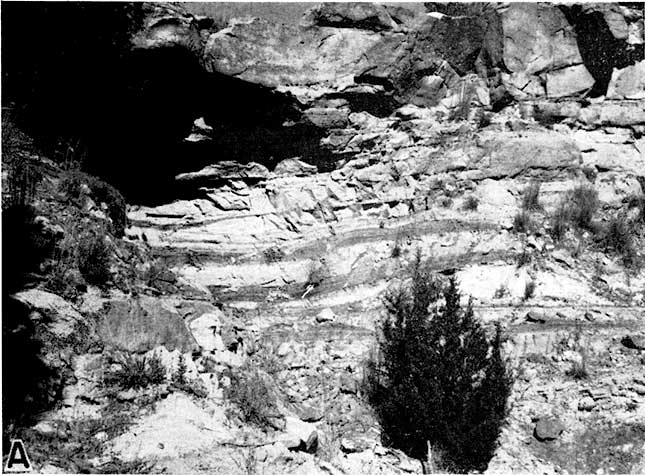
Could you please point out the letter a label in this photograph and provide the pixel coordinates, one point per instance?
(18, 460)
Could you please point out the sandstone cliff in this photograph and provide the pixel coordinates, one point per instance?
(320, 153)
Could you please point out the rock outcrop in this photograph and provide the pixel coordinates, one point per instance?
(325, 155)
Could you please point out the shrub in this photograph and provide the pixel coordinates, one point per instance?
(485, 119)
(250, 392)
(273, 254)
(82, 257)
(26, 245)
(523, 258)
(471, 203)
(559, 221)
(617, 236)
(72, 184)
(23, 176)
(639, 203)
(398, 243)
(445, 202)
(522, 222)
(93, 257)
(501, 292)
(437, 379)
(22, 172)
(248, 465)
(583, 203)
(530, 197)
(137, 372)
(65, 281)
(159, 276)
(578, 370)
(266, 359)
(529, 290)
(179, 377)
(318, 272)
(461, 111)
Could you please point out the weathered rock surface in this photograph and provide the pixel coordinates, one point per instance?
(291, 259)
(368, 16)
(225, 171)
(139, 325)
(537, 39)
(56, 314)
(548, 428)
(628, 83)
(568, 81)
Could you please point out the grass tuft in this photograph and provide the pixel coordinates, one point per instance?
(522, 222)
(529, 290)
(530, 197)
(471, 203)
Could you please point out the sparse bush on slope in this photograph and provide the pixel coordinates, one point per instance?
(251, 393)
(529, 290)
(522, 222)
(618, 236)
(576, 208)
(436, 378)
(137, 372)
(559, 221)
(584, 202)
(471, 203)
(93, 257)
(530, 197)
(72, 186)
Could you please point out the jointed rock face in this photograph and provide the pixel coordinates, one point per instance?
(373, 129)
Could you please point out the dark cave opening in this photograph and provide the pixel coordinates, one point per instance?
(78, 88)
(601, 52)
(141, 147)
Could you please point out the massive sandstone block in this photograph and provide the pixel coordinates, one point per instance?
(509, 154)
(538, 38)
(568, 81)
(628, 83)
(273, 55)
(364, 16)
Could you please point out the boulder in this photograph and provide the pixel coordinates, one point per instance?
(325, 315)
(177, 210)
(634, 342)
(167, 26)
(523, 86)
(508, 154)
(535, 317)
(274, 54)
(206, 329)
(141, 324)
(429, 60)
(225, 170)
(362, 16)
(548, 428)
(636, 33)
(228, 201)
(42, 333)
(294, 167)
(458, 40)
(538, 38)
(613, 16)
(586, 404)
(347, 384)
(299, 435)
(568, 81)
(327, 118)
(628, 83)
(55, 313)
